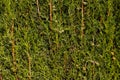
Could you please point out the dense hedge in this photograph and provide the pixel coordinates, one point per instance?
(59, 40)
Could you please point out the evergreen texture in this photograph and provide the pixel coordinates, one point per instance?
(59, 39)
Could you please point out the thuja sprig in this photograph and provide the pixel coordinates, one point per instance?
(13, 51)
(82, 20)
(50, 6)
(38, 8)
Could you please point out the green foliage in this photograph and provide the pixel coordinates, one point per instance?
(32, 51)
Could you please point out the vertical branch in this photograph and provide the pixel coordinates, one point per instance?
(28, 55)
(29, 66)
(82, 21)
(38, 8)
(111, 28)
(13, 51)
(50, 5)
(1, 77)
(109, 8)
(110, 21)
(50, 21)
(60, 21)
(65, 63)
(60, 11)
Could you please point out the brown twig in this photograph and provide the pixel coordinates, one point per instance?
(38, 8)
(50, 21)
(82, 21)
(13, 51)
(60, 10)
(50, 14)
(65, 63)
(1, 77)
(28, 56)
(29, 66)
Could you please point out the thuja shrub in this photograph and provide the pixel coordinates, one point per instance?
(59, 40)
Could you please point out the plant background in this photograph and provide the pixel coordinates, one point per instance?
(59, 40)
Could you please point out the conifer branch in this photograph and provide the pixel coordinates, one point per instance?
(1, 77)
(82, 21)
(38, 8)
(29, 66)
(50, 14)
(13, 51)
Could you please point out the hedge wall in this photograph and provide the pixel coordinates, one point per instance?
(59, 40)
